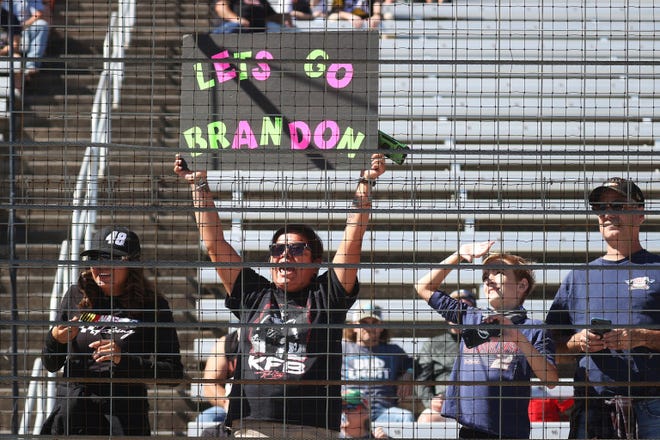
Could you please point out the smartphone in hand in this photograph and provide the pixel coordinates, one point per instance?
(602, 326)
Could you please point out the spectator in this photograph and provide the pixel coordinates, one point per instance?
(219, 367)
(492, 356)
(361, 13)
(355, 422)
(297, 9)
(290, 336)
(12, 27)
(301, 10)
(437, 356)
(369, 357)
(111, 328)
(249, 16)
(622, 286)
(34, 37)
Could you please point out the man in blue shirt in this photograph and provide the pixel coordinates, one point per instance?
(607, 313)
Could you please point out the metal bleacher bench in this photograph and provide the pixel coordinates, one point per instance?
(520, 10)
(438, 430)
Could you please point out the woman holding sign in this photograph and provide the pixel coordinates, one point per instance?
(292, 323)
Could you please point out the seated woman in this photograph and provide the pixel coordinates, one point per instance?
(369, 357)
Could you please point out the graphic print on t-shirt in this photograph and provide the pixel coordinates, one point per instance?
(496, 354)
(279, 342)
(367, 368)
(103, 325)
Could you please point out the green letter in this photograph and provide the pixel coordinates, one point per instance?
(315, 70)
(271, 128)
(193, 137)
(201, 82)
(217, 131)
(348, 142)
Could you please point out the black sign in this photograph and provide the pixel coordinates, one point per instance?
(300, 100)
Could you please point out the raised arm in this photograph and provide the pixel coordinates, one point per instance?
(209, 225)
(430, 282)
(350, 247)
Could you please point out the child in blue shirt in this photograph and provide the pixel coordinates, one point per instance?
(486, 406)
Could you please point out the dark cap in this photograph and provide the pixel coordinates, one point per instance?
(624, 187)
(116, 241)
(464, 294)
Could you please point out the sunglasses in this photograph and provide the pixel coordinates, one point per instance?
(103, 257)
(293, 249)
(612, 206)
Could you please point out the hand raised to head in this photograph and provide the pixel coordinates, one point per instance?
(470, 251)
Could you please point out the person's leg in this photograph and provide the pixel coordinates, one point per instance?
(271, 26)
(213, 414)
(647, 412)
(394, 415)
(34, 41)
(227, 27)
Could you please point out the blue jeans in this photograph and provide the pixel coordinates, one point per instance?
(393, 414)
(231, 27)
(213, 414)
(34, 40)
(647, 412)
(648, 417)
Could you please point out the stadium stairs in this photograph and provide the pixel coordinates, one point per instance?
(53, 129)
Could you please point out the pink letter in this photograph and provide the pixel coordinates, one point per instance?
(262, 73)
(334, 135)
(244, 136)
(333, 72)
(302, 142)
(222, 70)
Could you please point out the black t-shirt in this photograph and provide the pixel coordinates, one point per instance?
(256, 11)
(288, 339)
(8, 19)
(147, 352)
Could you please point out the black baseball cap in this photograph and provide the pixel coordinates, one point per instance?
(114, 241)
(624, 187)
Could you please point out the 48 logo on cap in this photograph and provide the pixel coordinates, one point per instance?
(118, 238)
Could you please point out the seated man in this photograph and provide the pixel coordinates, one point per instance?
(34, 37)
(249, 16)
(220, 366)
(378, 365)
(10, 25)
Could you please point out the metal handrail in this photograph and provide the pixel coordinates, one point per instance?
(85, 196)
